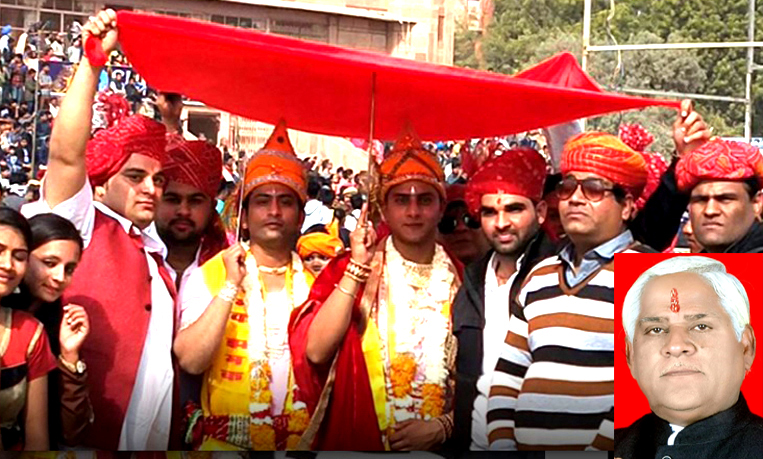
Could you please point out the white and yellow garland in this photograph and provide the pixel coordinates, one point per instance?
(414, 323)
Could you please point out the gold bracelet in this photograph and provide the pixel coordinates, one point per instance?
(360, 266)
(357, 272)
(355, 277)
(345, 291)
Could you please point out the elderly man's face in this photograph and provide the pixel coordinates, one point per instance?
(689, 363)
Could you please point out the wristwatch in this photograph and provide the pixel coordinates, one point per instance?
(77, 368)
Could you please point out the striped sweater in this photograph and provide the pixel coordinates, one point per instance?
(553, 388)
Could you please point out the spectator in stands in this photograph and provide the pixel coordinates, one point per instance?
(316, 211)
(57, 47)
(46, 85)
(74, 52)
(30, 87)
(117, 82)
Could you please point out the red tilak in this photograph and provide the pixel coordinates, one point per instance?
(674, 306)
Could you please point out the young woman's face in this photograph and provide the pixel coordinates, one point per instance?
(51, 267)
(13, 259)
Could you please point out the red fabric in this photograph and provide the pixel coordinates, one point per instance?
(655, 167)
(114, 107)
(455, 192)
(94, 52)
(638, 138)
(23, 329)
(719, 159)
(270, 84)
(562, 70)
(635, 136)
(196, 163)
(606, 155)
(350, 423)
(112, 284)
(109, 149)
(520, 171)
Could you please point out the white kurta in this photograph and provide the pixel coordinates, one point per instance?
(493, 335)
(147, 421)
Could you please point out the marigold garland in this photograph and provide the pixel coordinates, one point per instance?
(298, 421)
(433, 403)
(263, 437)
(402, 372)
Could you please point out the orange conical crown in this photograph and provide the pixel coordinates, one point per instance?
(276, 162)
(409, 160)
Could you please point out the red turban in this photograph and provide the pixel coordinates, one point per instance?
(196, 163)
(109, 149)
(519, 171)
(719, 159)
(607, 156)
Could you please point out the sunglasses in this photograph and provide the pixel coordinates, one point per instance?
(448, 224)
(593, 189)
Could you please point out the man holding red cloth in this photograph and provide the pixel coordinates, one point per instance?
(121, 279)
(724, 178)
(372, 347)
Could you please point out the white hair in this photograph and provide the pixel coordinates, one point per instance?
(730, 291)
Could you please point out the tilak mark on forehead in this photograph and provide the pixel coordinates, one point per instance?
(674, 306)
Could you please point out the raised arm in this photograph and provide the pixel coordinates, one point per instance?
(332, 320)
(66, 164)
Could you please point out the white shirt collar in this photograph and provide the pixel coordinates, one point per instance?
(676, 431)
(150, 237)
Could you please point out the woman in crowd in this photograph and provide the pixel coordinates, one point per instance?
(25, 356)
(55, 250)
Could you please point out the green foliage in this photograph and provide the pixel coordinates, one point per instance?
(524, 32)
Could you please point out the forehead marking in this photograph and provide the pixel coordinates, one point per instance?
(674, 306)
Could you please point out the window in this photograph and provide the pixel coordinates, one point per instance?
(69, 19)
(19, 19)
(66, 5)
(52, 21)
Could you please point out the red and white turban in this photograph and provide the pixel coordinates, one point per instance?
(519, 171)
(717, 160)
(109, 149)
(196, 163)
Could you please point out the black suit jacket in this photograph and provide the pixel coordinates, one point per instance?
(733, 433)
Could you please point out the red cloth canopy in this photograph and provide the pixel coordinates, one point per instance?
(327, 89)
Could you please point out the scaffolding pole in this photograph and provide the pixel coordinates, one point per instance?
(750, 45)
(748, 76)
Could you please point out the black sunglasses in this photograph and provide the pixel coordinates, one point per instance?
(593, 189)
(448, 224)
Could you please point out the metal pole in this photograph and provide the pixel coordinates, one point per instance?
(748, 76)
(36, 110)
(661, 46)
(586, 41)
(586, 33)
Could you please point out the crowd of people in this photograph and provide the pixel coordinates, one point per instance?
(148, 305)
